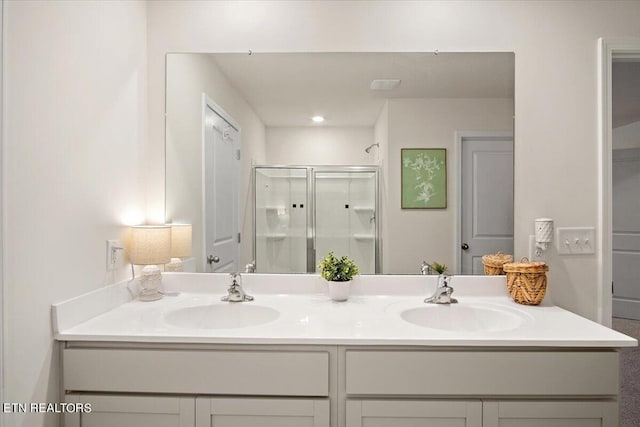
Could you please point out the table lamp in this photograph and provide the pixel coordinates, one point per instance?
(150, 245)
(180, 246)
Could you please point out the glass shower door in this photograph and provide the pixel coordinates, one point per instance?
(345, 216)
(281, 206)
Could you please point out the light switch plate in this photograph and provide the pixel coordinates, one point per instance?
(576, 240)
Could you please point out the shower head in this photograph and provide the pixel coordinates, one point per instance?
(368, 149)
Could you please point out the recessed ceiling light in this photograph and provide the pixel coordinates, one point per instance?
(317, 119)
(385, 84)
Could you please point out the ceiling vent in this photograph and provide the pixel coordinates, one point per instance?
(385, 84)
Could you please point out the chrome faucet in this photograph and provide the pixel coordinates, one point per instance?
(426, 268)
(235, 293)
(251, 267)
(443, 292)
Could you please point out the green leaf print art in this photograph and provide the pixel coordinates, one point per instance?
(424, 178)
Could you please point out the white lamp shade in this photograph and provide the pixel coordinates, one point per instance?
(180, 240)
(150, 244)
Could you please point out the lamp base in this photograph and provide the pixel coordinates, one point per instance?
(150, 282)
(176, 264)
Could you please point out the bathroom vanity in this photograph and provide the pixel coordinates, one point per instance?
(292, 357)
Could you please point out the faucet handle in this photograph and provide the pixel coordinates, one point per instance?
(236, 279)
(235, 291)
(426, 268)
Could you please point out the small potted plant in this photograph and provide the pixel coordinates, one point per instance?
(441, 269)
(338, 272)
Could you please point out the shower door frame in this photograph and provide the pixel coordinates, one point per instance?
(255, 196)
(311, 203)
(311, 268)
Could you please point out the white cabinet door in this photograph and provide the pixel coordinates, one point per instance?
(414, 413)
(132, 411)
(266, 412)
(550, 414)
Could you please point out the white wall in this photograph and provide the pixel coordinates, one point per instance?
(188, 77)
(75, 133)
(555, 84)
(418, 234)
(319, 145)
(381, 135)
(2, 290)
(627, 136)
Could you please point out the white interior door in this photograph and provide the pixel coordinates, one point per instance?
(221, 176)
(626, 233)
(486, 199)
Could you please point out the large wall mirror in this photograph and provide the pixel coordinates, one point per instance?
(390, 158)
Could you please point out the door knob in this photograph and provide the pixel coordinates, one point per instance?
(465, 246)
(211, 259)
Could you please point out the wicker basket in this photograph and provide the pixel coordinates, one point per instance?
(493, 263)
(526, 281)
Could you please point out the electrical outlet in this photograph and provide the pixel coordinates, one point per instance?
(533, 256)
(114, 255)
(576, 240)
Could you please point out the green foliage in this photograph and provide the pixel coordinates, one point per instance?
(439, 268)
(336, 269)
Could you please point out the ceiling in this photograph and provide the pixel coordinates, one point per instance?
(287, 89)
(626, 93)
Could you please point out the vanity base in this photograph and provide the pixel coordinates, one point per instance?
(339, 386)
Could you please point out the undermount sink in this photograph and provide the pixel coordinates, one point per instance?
(463, 318)
(221, 316)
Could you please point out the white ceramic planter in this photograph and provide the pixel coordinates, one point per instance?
(339, 291)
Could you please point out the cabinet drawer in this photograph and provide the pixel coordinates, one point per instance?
(220, 412)
(487, 373)
(197, 371)
(131, 411)
(550, 414)
(362, 413)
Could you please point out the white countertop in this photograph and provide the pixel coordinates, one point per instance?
(371, 316)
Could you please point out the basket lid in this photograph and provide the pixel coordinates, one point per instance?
(497, 259)
(526, 266)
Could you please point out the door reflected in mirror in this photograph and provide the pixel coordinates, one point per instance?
(231, 118)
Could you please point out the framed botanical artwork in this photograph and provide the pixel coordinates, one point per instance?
(424, 178)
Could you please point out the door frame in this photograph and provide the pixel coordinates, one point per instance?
(608, 50)
(460, 137)
(209, 103)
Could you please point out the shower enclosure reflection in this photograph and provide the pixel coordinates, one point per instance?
(303, 212)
